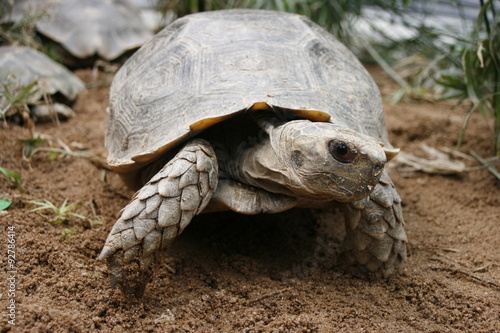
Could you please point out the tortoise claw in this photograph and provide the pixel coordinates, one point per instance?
(105, 252)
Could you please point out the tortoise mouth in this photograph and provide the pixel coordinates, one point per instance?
(325, 186)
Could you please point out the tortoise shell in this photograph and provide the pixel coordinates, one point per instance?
(23, 66)
(207, 67)
(84, 27)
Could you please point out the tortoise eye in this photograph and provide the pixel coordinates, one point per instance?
(341, 151)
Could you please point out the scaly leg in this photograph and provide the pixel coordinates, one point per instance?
(159, 212)
(375, 237)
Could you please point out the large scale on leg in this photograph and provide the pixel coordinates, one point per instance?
(255, 112)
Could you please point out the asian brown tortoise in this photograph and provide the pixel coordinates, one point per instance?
(255, 112)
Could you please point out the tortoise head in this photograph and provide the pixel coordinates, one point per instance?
(322, 161)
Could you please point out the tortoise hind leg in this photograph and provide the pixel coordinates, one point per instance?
(375, 237)
(159, 212)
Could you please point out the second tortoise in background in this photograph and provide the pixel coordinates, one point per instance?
(106, 28)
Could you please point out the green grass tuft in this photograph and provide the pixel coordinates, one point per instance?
(59, 214)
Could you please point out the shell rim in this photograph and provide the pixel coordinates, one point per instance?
(137, 161)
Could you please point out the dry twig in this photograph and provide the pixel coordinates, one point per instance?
(266, 296)
(488, 166)
(436, 162)
(452, 267)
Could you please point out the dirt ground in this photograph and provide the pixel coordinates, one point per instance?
(233, 273)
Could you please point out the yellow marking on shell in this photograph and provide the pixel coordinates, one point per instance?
(303, 112)
(312, 115)
(259, 106)
(203, 124)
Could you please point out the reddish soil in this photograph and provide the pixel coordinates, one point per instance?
(232, 273)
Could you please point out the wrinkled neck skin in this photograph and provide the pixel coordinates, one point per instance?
(265, 166)
(296, 159)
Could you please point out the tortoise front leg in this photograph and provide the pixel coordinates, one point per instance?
(375, 236)
(159, 212)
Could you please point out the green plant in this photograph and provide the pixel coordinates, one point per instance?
(58, 153)
(31, 145)
(69, 232)
(4, 204)
(22, 30)
(333, 15)
(60, 214)
(456, 63)
(478, 78)
(12, 178)
(16, 98)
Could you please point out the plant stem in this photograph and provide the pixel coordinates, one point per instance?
(488, 166)
(387, 68)
(486, 21)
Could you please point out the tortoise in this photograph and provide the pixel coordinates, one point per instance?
(255, 112)
(84, 27)
(21, 66)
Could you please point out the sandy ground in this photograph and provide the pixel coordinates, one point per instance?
(232, 273)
